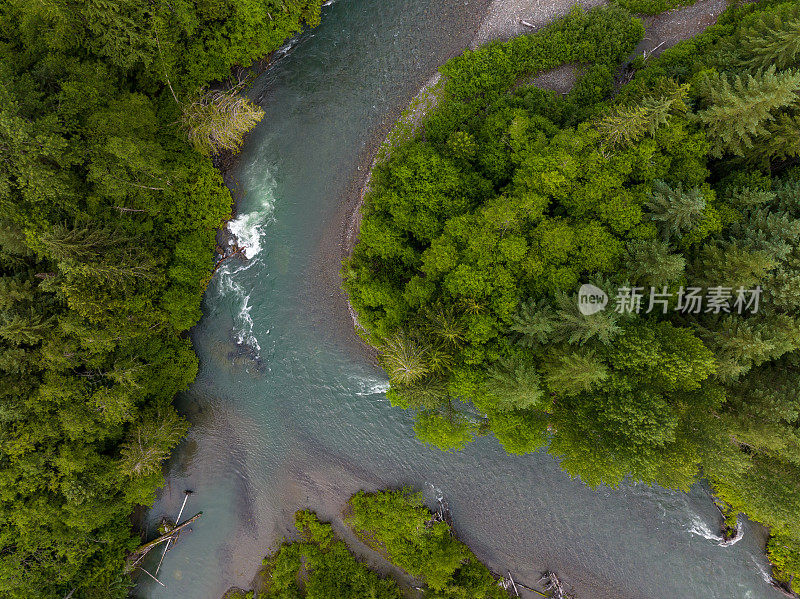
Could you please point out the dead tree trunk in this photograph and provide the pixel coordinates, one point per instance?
(136, 556)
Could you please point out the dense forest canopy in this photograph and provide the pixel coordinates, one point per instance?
(107, 224)
(672, 187)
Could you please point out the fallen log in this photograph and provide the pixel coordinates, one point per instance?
(153, 577)
(234, 251)
(178, 519)
(513, 586)
(554, 585)
(136, 556)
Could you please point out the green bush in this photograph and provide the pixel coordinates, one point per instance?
(324, 564)
(398, 524)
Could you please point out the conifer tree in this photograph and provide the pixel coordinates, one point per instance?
(217, 121)
(729, 265)
(787, 195)
(23, 330)
(577, 329)
(676, 211)
(444, 323)
(516, 383)
(575, 373)
(535, 322)
(653, 263)
(63, 243)
(404, 358)
(625, 125)
(737, 345)
(771, 37)
(748, 198)
(150, 441)
(781, 142)
(773, 233)
(739, 106)
(426, 394)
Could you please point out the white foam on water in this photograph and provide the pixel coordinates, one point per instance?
(371, 386)
(762, 570)
(701, 529)
(248, 228)
(243, 319)
(436, 491)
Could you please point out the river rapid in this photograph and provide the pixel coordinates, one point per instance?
(287, 413)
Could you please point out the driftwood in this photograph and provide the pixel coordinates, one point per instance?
(136, 556)
(234, 251)
(646, 55)
(513, 586)
(444, 514)
(178, 519)
(531, 25)
(507, 582)
(153, 577)
(554, 585)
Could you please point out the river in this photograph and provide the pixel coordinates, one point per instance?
(288, 414)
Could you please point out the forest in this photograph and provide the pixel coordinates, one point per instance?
(670, 186)
(398, 525)
(109, 207)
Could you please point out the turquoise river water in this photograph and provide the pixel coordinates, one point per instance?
(285, 416)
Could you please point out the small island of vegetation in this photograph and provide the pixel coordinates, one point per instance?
(395, 523)
(649, 183)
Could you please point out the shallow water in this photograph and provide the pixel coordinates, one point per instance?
(290, 419)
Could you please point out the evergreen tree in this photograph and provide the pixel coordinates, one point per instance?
(738, 345)
(787, 195)
(775, 234)
(763, 409)
(535, 322)
(574, 373)
(443, 322)
(577, 328)
(404, 358)
(150, 442)
(739, 107)
(63, 243)
(676, 211)
(217, 121)
(427, 393)
(781, 142)
(516, 384)
(771, 38)
(652, 263)
(729, 265)
(625, 125)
